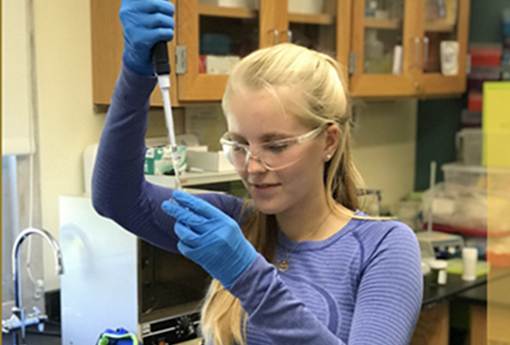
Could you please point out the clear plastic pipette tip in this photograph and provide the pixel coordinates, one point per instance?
(164, 85)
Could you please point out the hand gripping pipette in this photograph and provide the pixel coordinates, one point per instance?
(159, 56)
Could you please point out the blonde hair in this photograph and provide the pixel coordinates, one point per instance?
(309, 85)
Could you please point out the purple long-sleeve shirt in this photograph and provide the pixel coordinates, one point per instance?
(363, 285)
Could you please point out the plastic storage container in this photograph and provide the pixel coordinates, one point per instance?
(493, 179)
(480, 75)
(469, 142)
(475, 101)
(485, 54)
(468, 198)
(471, 119)
(465, 175)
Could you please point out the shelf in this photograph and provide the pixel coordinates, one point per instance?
(387, 24)
(231, 12)
(439, 27)
(468, 232)
(193, 178)
(319, 19)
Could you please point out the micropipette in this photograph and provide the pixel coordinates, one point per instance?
(159, 55)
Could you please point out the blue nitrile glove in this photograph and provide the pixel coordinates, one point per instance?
(144, 23)
(209, 237)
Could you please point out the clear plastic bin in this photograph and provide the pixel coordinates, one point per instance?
(469, 197)
(467, 209)
(494, 179)
(465, 175)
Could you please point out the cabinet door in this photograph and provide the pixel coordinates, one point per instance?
(107, 48)
(322, 25)
(216, 37)
(442, 35)
(379, 68)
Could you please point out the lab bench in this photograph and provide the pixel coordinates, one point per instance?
(489, 311)
(50, 336)
(434, 323)
(432, 328)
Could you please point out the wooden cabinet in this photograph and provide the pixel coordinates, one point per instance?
(107, 48)
(420, 27)
(245, 30)
(204, 29)
(346, 29)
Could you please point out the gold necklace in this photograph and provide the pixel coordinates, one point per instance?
(283, 265)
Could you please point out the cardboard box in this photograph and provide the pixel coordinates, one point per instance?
(209, 161)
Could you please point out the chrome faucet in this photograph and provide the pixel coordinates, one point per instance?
(18, 321)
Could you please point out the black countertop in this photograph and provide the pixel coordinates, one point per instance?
(472, 292)
(454, 286)
(498, 284)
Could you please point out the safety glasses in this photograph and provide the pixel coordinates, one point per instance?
(273, 155)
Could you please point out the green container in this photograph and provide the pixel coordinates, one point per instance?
(158, 160)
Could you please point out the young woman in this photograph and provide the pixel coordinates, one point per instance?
(295, 264)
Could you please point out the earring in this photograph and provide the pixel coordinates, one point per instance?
(328, 157)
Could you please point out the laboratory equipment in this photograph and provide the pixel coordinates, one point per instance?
(469, 260)
(438, 274)
(115, 279)
(439, 245)
(159, 55)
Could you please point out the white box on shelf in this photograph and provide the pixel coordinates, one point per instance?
(219, 65)
(474, 176)
(209, 161)
(252, 4)
(305, 6)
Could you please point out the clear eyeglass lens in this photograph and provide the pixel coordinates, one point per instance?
(272, 155)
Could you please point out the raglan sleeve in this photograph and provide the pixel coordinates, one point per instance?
(393, 271)
(390, 292)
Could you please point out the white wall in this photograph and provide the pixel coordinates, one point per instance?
(385, 137)
(384, 148)
(67, 123)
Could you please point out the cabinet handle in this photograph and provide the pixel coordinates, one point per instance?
(275, 35)
(289, 36)
(425, 53)
(416, 51)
